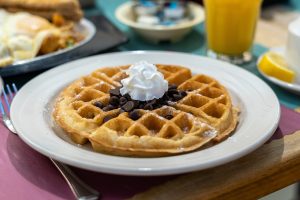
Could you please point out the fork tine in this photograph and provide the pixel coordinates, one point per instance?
(15, 89)
(9, 92)
(5, 99)
(2, 108)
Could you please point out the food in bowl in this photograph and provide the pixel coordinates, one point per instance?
(161, 33)
(161, 13)
(145, 110)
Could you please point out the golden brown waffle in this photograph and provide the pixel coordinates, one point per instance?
(70, 9)
(206, 114)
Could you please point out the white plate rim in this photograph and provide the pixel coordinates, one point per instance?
(145, 166)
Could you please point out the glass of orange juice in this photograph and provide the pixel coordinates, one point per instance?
(230, 28)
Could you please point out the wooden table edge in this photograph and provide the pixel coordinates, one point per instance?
(271, 167)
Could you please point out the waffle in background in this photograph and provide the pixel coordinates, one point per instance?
(69, 9)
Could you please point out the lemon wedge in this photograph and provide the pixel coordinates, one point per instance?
(275, 65)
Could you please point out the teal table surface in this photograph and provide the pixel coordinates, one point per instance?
(193, 43)
(295, 4)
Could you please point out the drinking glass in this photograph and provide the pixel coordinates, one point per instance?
(230, 28)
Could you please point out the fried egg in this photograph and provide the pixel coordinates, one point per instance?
(21, 47)
(5, 56)
(25, 24)
(22, 36)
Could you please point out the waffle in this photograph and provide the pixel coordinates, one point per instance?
(204, 116)
(69, 9)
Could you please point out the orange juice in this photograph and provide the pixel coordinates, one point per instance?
(230, 25)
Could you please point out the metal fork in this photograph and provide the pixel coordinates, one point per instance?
(80, 189)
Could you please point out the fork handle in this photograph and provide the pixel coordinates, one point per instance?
(79, 188)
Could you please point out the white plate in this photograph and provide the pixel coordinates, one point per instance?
(292, 87)
(32, 106)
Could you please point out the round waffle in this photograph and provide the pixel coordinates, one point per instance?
(205, 115)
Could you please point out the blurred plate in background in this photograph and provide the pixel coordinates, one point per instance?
(100, 35)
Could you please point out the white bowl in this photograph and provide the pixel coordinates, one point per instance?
(159, 33)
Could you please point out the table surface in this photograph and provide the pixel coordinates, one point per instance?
(275, 19)
(269, 168)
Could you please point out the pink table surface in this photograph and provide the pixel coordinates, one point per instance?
(26, 174)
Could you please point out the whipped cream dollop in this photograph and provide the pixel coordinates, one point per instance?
(144, 82)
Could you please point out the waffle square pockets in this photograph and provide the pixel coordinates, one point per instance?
(195, 112)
